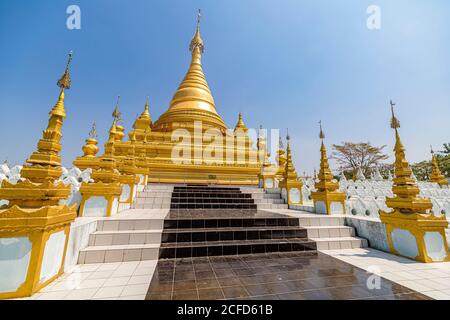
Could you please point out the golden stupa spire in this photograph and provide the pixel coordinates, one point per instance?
(325, 176)
(327, 199)
(436, 174)
(116, 114)
(240, 125)
(197, 41)
(405, 188)
(146, 113)
(41, 171)
(64, 83)
(142, 124)
(45, 163)
(193, 100)
(289, 172)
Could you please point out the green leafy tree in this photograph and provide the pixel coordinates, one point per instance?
(352, 156)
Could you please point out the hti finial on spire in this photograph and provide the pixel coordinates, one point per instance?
(321, 134)
(116, 114)
(197, 41)
(395, 124)
(93, 132)
(287, 135)
(64, 82)
(199, 17)
(431, 148)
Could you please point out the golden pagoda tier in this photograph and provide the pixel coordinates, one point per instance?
(436, 175)
(101, 197)
(327, 199)
(413, 230)
(35, 225)
(290, 185)
(190, 142)
(90, 150)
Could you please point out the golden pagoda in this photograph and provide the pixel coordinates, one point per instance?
(413, 230)
(190, 142)
(34, 226)
(90, 150)
(327, 199)
(268, 171)
(101, 197)
(281, 161)
(436, 175)
(290, 185)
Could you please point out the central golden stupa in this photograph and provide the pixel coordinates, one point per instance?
(190, 143)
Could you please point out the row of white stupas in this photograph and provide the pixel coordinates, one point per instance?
(365, 197)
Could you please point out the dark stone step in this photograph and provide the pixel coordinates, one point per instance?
(212, 206)
(207, 188)
(213, 223)
(211, 195)
(219, 248)
(210, 235)
(212, 200)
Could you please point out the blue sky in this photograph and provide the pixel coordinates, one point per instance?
(285, 63)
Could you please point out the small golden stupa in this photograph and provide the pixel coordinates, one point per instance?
(90, 150)
(290, 185)
(436, 175)
(101, 197)
(34, 220)
(413, 230)
(327, 199)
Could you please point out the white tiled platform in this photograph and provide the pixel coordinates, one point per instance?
(105, 281)
(431, 279)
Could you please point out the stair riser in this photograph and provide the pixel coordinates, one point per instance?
(124, 239)
(228, 223)
(272, 206)
(212, 201)
(212, 206)
(151, 194)
(331, 232)
(321, 221)
(269, 201)
(232, 235)
(341, 245)
(123, 225)
(202, 251)
(211, 196)
(117, 255)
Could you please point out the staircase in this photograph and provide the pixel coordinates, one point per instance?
(127, 238)
(154, 196)
(205, 197)
(330, 232)
(265, 200)
(216, 221)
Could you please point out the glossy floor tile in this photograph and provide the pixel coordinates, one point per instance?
(286, 276)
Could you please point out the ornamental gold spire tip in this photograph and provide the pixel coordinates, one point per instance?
(395, 123)
(321, 134)
(116, 114)
(64, 82)
(93, 132)
(197, 41)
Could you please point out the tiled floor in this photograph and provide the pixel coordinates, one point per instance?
(107, 281)
(286, 276)
(431, 279)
